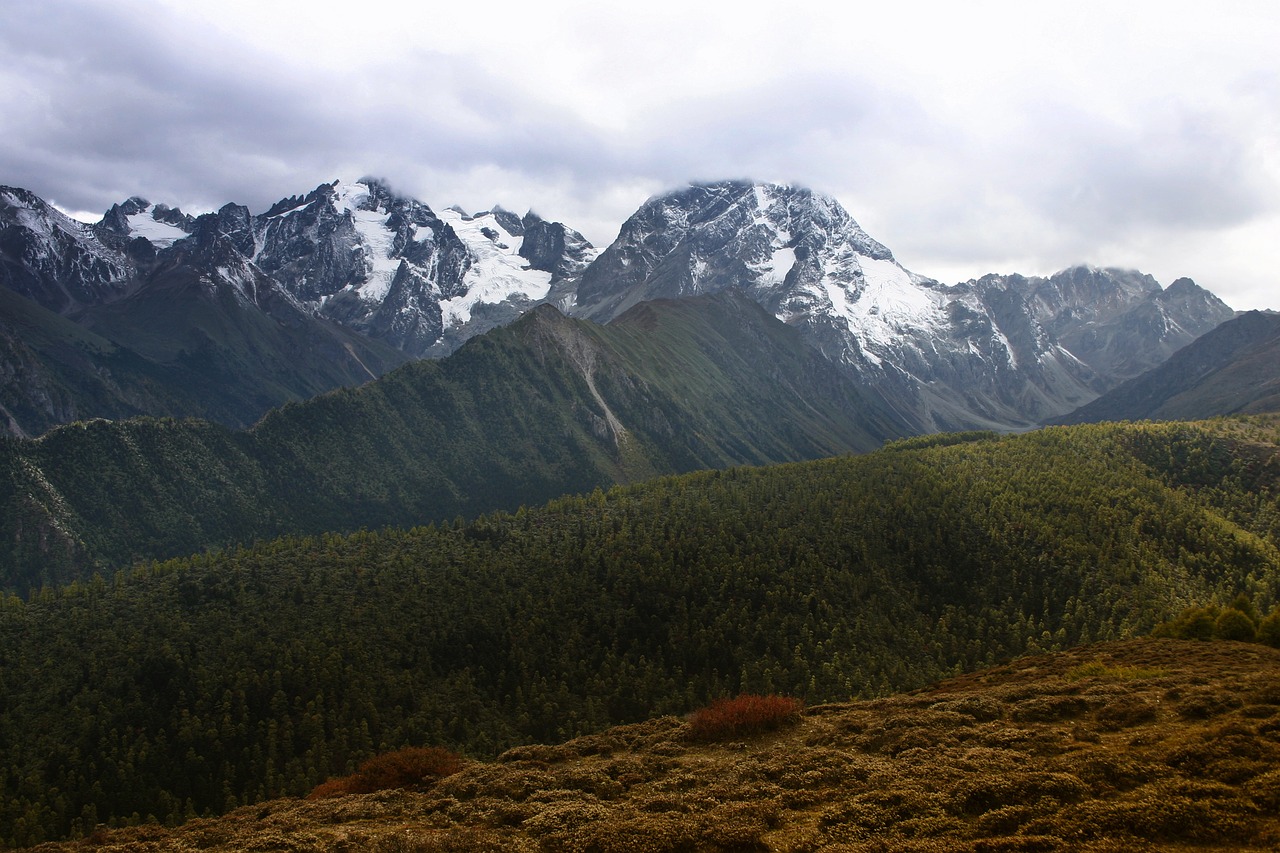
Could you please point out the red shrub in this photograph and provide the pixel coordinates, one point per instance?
(745, 715)
(410, 767)
(330, 788)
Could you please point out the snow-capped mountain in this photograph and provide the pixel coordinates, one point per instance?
(1000, 351)
(329, 288)
(160, 225)
(390, 267)
(55, 261)
(363, 269)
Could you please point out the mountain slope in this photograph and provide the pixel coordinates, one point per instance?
(229, 314)
(241, 675)
(1142, 745)
(523, 414)
(999, 352)
(1234, 369)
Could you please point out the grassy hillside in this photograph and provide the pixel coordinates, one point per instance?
(196, 685)
(1137, 746)
(521, 415)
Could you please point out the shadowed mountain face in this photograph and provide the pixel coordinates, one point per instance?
(1234, 369)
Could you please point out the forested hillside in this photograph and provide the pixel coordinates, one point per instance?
(524, 414)
(195, 685)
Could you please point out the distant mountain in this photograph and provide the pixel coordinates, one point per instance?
(546, 406)
(337, 285)
(1234, 369)
(1000, 351)
(229, 314)
(394, 270)
(161, 316)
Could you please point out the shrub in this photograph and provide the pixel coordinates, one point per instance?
(1234, 625)
(1125, 711)
(411, 767)
(1105, 672)
(744, 715)
(1194, 623)
(1269, 630)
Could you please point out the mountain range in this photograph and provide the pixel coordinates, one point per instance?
(1232, 369)
(226, 315)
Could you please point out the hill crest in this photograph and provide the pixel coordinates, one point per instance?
(1135, 745)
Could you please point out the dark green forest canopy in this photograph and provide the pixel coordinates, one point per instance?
(189, 686)
(545, 407)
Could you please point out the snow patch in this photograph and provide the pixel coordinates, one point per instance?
(774, 270)
(886, 307)
(379, 263)
(162, 235)
(497, 272)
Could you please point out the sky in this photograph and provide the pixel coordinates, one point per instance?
(969, 137)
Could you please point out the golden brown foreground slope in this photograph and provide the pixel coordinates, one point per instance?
(1140, 745)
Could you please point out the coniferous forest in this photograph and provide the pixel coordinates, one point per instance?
(191, 686)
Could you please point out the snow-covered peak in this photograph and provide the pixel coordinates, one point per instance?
(36, 216)
(497, 272)
(797, 252)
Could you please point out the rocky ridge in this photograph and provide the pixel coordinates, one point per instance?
(1002, 351)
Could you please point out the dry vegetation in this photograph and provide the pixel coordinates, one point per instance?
(1143, 745)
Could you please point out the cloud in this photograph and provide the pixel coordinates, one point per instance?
(990, 137)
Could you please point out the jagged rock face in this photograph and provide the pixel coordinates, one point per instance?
(1229, 369)
(55, 261)
(1120, 322)
(551, 247)
(391, 268)
(1001, 351)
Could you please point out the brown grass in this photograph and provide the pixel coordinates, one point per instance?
(1150, 745)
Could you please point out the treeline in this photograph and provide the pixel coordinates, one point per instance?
(518, 416)
(190, 686)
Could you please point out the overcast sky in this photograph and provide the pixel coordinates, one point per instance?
(969, 137)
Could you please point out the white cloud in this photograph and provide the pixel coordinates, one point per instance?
(974, 137)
